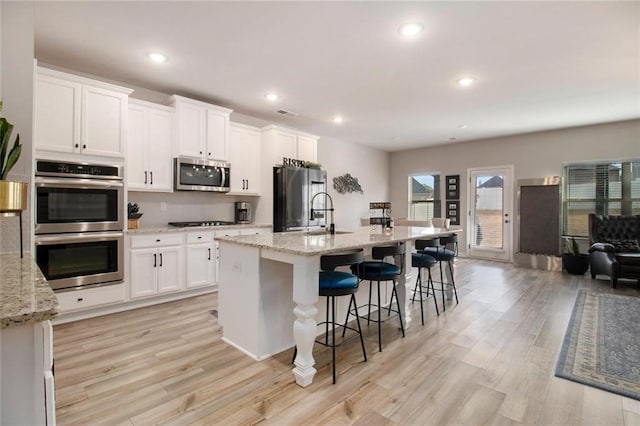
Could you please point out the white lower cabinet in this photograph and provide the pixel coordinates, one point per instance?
(90, 298)
(200, 259)
(157, 263)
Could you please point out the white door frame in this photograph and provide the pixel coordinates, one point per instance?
(506, 253)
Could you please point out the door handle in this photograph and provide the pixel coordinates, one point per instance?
(209, 254)
(145, 177)
(151, 174)
(247, 184)
(161, 259)
(506, 221)
(243, 184)
(155, 260)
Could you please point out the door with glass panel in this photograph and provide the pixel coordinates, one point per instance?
(489, 227)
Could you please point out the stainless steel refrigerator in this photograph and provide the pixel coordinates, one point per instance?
(293, 190)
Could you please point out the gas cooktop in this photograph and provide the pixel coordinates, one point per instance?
(203, 223)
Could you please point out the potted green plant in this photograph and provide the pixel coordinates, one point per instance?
(13, 195)
(573, 261)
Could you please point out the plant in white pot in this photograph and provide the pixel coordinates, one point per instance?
(13, 195)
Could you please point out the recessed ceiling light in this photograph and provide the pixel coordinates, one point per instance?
(411, 29)
(452, 139)
(271, 97)
(337, 119)
(157, 57)
(466, 81)
(462, 126)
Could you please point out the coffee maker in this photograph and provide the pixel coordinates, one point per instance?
(243, 212)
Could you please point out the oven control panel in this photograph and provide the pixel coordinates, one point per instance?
(61, 169)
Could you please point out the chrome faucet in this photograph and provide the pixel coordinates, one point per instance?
(332, 228)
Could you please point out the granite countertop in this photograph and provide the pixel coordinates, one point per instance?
(24, 293)
(310, 244)
(161, 229)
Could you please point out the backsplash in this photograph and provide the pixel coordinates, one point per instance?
(184, 206)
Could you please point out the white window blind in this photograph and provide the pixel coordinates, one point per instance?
(607, 188)
(424, 197)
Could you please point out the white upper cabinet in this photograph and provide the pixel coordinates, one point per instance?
(286, 143)
(78, 115)
(149, 153)
(245, 155)
(202, 129)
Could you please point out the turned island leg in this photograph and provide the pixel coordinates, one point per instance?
(305, 295)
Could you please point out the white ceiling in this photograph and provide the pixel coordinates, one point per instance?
(538, 65)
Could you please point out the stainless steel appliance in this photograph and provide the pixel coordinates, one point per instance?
(201, 175)
(79, 222)
(200, 223)
(76, 260)
(243, 212)
(78, 197)
(293, 189)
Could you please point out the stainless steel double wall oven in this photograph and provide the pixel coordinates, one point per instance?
(79, 224)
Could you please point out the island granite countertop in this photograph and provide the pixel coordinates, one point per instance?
(25, 295)
(312, 243)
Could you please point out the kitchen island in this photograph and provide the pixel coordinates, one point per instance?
(269, 283)
(27, 304)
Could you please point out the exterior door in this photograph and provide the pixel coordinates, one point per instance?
(489, 228)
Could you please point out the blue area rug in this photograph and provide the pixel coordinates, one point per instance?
(601, 346)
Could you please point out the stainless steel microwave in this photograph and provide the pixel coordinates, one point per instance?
(201, 175)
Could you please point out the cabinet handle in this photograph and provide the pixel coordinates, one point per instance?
(157, 241)
(160, 259)
(80, 299)
(84, 146)
(77, 145)
(199, 238)
(145, 177)
(155, 260)
(200, 152)
(209, 254)
(209, 154)
(151, 174)
(247, 184)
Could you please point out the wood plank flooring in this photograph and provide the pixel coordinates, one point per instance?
(488, 360)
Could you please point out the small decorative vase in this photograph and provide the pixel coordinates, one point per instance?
(13, 197)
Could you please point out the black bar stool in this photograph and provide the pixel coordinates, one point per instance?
(335, 284)
(437, 249)
(378, 270)
(420, 260)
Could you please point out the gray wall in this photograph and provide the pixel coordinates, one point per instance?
(16, 91)
(533, 155)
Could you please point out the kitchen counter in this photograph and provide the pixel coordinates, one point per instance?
(26, 296)
(311, 244)
(160, 229)
(268, 291)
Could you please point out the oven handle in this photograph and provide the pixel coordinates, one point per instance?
(43, 240)
(77, 183)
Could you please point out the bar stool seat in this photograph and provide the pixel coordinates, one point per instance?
(377, 271)
(420, 260)
(334, 284)
(437, 248)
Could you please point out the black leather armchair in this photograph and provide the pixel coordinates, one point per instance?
(614, 247)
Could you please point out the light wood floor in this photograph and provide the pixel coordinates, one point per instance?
(488, 360)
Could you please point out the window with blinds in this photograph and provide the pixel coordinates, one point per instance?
(608, 188)
(424, 196)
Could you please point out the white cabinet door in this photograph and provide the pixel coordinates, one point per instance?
(287, 145)
(144, 272)
(170, 264)
(57, 114)
(236, 136)
(252, 161)
(137, 144)
(307, 148)
(217, 135)
(191, 129)
(159, 150)
(103, 121)
(200, 265)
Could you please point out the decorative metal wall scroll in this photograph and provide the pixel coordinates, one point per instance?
(346, 183)
(453, 199)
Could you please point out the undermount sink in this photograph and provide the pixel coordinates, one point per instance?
(325, 232)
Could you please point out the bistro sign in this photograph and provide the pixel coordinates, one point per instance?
(293, 162)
